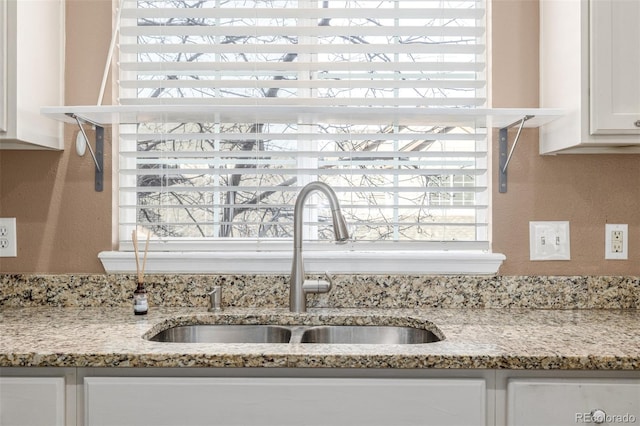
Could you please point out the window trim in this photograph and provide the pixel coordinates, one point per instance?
(404, 262)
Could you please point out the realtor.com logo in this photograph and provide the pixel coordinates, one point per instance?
(600, 417)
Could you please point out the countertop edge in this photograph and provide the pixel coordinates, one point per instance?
(267, 361)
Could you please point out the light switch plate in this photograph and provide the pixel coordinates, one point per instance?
(549, 240)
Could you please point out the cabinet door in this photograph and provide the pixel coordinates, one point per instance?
(3, 66)
(541, 402)
(615, 67)
(283, 401)
(32, 401)
(31, 72)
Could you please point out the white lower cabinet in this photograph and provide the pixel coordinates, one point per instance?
(308, 397)
(541, 402)
(291, 401)
(32, 401)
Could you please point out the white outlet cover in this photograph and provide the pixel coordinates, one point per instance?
(608, 241)
(8, 247)
(549, 240)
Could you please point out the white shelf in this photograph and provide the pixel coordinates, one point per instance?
(501, 118)
(107, 115)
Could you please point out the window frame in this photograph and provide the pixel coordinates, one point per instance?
(396, 258)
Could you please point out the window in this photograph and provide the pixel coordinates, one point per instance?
(307, 90)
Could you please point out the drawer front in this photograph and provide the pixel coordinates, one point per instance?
(555, 402)
(283, 401)
(32, 401)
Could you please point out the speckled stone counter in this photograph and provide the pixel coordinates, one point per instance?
(473, 338)
(349, 291)
(574, 323)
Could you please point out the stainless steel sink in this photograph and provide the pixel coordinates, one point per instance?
(323, 334)
(376, 335)
(204, 333)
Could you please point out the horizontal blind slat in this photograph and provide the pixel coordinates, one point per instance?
(296, 189)
(299, 84)
(408, 136)
(302, 13)
(302, 101)
(213, 68)
(237, 245)
(435, 48)
(433, 207)
(299, 30)
(248, 171)
(433, 224)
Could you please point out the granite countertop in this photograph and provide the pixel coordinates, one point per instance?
(474, 338)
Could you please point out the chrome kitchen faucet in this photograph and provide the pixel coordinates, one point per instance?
(298, 286)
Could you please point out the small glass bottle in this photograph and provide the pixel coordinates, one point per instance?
(140, 302)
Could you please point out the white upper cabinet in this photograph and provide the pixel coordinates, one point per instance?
(31, 72)
(590, 67)
(615, 67)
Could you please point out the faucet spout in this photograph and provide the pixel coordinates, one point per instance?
(297, 293)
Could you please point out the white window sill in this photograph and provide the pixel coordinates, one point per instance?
(279, 262)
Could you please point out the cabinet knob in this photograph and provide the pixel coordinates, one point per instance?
(637, 123)
(598, 416)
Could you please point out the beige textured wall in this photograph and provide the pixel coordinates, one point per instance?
(587, 190)
(63, 223)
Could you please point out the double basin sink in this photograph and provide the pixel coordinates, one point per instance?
(318, 334)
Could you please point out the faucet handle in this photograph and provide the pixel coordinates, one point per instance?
(215, 299)
(329, 278)
(318, 286)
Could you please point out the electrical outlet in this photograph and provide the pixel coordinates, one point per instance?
(549, 240)
(8, 246)
(616, 241)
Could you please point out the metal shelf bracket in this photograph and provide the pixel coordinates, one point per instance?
(98, 154)
(504, 148)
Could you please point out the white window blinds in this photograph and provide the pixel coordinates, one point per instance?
(226, 180)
